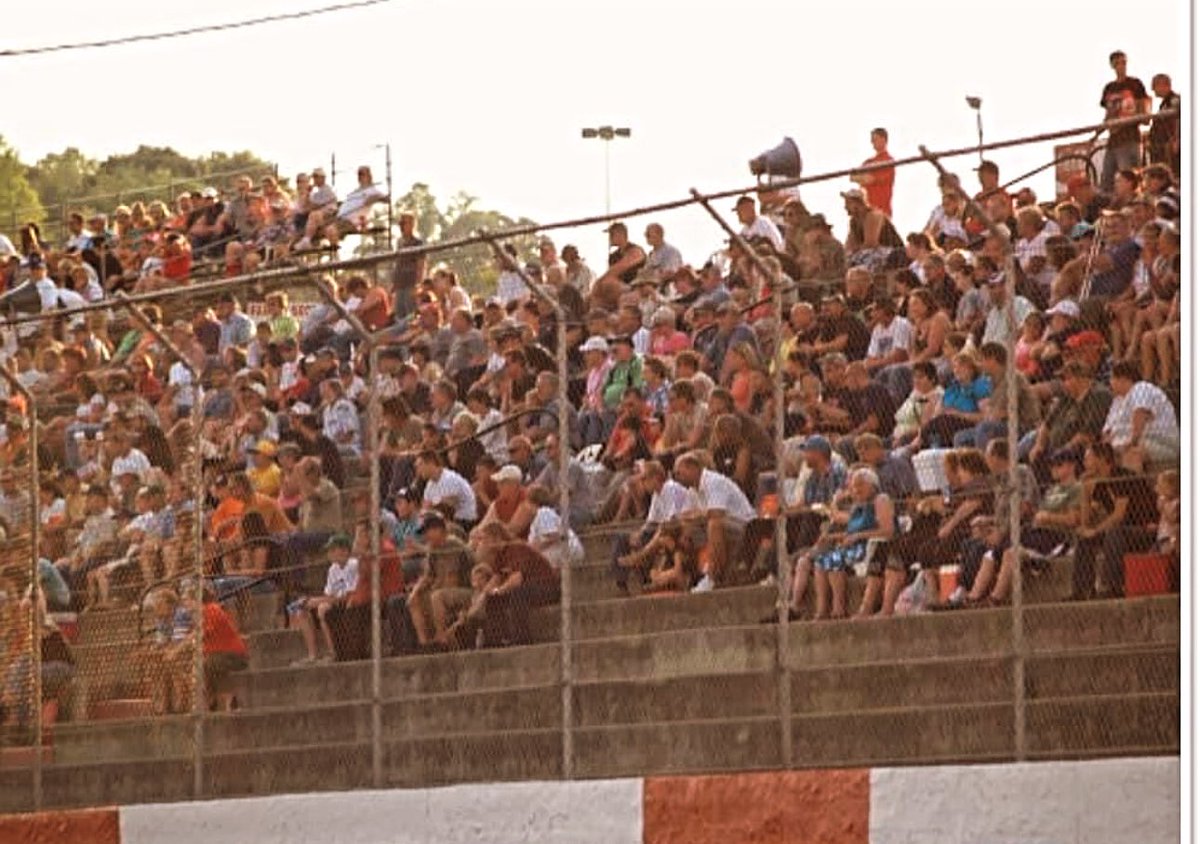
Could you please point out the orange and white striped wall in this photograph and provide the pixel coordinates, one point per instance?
(1117, 801)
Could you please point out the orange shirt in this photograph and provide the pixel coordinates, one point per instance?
(220, 634)
(227, 518)
(268, 508)
(879, 192)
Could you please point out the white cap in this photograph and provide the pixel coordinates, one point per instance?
(302, 409)
(595, 344)
(1065, 308)
(508, 473)
(209, 193)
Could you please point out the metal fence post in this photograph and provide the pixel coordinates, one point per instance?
(783, 672)
(374, 438)
(35, 589)
(1013, 480)
(374, 408)
(566, 654)
(199, 693)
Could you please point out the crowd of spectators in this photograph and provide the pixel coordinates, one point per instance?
(893, 358)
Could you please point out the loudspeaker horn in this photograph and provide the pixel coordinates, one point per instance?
(781, 161)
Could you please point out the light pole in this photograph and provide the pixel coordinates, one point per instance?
(606, 134)
(976, 103)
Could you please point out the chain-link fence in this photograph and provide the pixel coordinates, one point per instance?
(311, 570)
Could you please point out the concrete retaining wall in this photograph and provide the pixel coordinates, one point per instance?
(1097, 802)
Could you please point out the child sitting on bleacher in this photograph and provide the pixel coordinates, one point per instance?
(339, 584)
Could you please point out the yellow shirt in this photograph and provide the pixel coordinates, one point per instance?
(266, 481)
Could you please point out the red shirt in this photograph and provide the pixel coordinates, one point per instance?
(220, 635)
(879, 192)
(534, 568)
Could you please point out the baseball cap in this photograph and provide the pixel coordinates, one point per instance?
(339, 540)
(1065, 455)
(265, 447)
(1081, 230)
(594, 344)
(854, 193)
(1065, 308)
(301, 408)
(209, 193)
(1085, 339)
(508, 473)
(818, 443)
(742, 200)
(407, 494)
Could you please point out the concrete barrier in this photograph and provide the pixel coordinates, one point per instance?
(1110, 801)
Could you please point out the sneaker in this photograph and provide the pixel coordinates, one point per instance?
(304, 661)
(957, 597)
(769, 580)
(705, 585)
(323, 660)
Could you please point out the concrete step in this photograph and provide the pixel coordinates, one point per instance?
(977, 635)
(402, 677)
(1138, 670)
(1137, 723)
(1073, 727)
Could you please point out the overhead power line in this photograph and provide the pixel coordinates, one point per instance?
(195, 30)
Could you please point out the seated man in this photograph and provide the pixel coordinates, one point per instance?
(669, 500)
(724, 510)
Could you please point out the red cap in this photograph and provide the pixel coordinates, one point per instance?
(1085, 338)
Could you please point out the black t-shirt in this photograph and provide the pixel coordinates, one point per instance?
(874, 398)
(617, 254)
(1163, 129)
(1123, 98)
(830, 328)
(1142, 510)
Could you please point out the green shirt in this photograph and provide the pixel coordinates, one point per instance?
(621, 377)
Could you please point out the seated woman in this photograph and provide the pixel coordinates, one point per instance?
(872, 516)
(960, 403)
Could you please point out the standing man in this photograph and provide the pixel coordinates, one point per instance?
(878, 183)
(1165, 143)
(1125, 96)
(409, 269)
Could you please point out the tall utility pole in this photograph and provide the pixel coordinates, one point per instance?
(976, 105)
(606, 134)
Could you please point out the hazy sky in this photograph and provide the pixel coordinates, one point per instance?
(489, 97)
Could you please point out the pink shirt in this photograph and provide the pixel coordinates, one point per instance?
(596, 379)
(669, 344)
